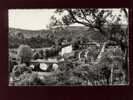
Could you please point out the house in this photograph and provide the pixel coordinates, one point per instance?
(67, 49)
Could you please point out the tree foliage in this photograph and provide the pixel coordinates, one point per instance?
(24, 53)
(98, 19)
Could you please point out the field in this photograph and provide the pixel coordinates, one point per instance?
(90, 63)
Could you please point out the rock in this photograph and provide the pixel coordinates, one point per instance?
(55, 67)
(43, 66)
(32, 66)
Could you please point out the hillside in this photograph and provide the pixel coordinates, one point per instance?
(46, 38)
(71, 30)
(43, 33)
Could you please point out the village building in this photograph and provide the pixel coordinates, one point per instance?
(66, 49)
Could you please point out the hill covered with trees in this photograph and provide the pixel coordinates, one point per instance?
(47, 38)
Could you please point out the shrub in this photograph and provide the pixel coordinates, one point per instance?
(20, 69)
(35, 79)
(12, 62)
(24, 54)
(70, 73)
(23, 75)
(31, 78)
(27, 79)
(76, 74)
(111, 59)
(38, 55)
(41, 52)
(52, 52)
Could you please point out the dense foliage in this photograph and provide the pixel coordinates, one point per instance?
(75, 73)
(41, 39)
(24, 54)
(106, 64)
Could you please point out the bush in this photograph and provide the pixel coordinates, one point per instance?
(52, 52)
(20, 69)
(12, 62)
(111, 59)
(76, 74)
(24, 75)
(38, 55)
(41, 52)
(24, 54)
(27, 79)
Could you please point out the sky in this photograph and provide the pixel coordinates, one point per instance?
(33, 19)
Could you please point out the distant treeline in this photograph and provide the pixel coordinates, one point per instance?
(34, 42)
(48, 38)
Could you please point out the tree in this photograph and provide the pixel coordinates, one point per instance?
(24, 54)
(97, 19)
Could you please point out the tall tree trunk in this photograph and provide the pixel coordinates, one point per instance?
(125, 66)
(111, 76)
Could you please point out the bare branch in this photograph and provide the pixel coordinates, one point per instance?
(85, 17)
(77, 21)
(125, 11)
